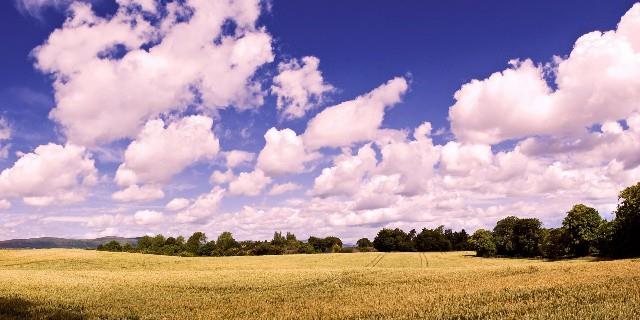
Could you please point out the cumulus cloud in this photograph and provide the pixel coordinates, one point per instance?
(114, 73)
(249, 183)
(50, 173)
(238, 158)
(5, 134)
(220, 177)
(278, 189)
(598, 82)
(202, 207)
(148, 217)
(160, 152)
(178, 204)
(354, 120)
(345, 177)
(138, 193)
(284, 152)
(5, 204)
(35, 8)
(299, 87)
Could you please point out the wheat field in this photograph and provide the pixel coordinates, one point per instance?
(81, 284)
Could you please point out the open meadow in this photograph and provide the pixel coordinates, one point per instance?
(82, 284)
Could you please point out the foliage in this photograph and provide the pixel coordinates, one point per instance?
(364, 243)
(482, 242)
(581, 229)
(626, 235)
(432, 240)
(554, 245)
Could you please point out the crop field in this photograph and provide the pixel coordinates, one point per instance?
(81, 284)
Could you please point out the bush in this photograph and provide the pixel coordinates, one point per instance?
(554, 244)
(482, 242)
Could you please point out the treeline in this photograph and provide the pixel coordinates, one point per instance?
(438, 239)
(226, 245)
(583, 233)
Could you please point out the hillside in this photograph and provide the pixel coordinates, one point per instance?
(50, 242)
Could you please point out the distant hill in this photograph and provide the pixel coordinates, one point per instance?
(49, 242)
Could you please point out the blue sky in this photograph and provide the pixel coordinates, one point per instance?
(432, 50)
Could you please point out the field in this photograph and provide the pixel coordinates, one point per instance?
(80, 284)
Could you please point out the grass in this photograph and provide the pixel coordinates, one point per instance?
(80, 284)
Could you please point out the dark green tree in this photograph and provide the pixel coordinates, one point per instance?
(626, 237)
(482, 242)
(581, 225)
(194, 243)
(555, 243)
(504, 237)
(364, 243)
(432, 240)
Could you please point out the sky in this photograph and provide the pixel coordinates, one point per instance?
(133, 117)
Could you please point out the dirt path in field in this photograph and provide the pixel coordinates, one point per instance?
(375, 261)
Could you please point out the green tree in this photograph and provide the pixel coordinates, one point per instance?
(394, 240)
(194, 243)
(581, 225)
(626, 237)
(432, 240)
(555, 243)
(503, 235)
(113, 246)
(364, 243)
(226, 242)
(482, 242)
(528, 234)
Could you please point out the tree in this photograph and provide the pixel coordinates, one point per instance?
(555, 243)
(432, 240)
(394, 240)
(626, 237)
(113, 246)
(482, 242)
(226, 242)
(528, 235)
(581, 226)
(207, 249)
(503, 235)
(278, 239)
(364, 243)
(196, 240)
(328, 244)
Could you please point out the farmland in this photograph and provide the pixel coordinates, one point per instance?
(82, 284)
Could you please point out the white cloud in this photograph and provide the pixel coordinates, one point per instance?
(5, 204)
(108, 83)
(138, 193)
(278, 189)
(35, 8)
(203, 207)
(160, 152)
(355, 120)
(148, 217)
(299, 87)
(284, 152)
(238, 158)
(178, 204)
(51, 172)
(219, 177)
(598, 82)
(345, 177)
(5, 134)
(249, 183)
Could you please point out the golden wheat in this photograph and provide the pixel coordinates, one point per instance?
(79, 284)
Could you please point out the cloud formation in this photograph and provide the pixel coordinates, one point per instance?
(124, 69)
(355, 120)
(51, 172)
(299, 87)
